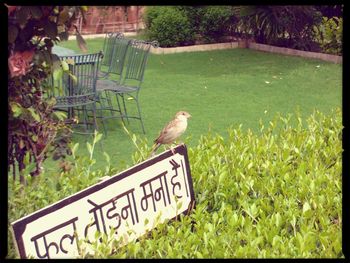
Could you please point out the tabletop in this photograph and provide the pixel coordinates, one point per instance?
(62, 51)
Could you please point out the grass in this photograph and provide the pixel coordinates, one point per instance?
(219, 89)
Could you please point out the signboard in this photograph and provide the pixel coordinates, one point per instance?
(131, 203)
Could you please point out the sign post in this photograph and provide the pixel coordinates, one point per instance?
(131, 203)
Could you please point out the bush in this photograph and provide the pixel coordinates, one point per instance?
(215, 22)
(330, 35)
(33, 124)
(276, 193)
(169, 26)
(267, 24)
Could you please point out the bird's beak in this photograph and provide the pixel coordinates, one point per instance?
(189, 116)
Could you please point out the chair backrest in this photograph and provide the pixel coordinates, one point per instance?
(81, 81)
(118, 56)
(136, 60)
(108, 47)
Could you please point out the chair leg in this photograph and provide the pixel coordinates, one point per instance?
(100, 110)
(120, 109)
(109, 102)
(125, 111)
(139, 110)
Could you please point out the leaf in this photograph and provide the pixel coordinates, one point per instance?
(74, 148)
(16, 109)
(74, 78)
(89, 147)
(250, 165)
(278, 219)
(108, 159)
(35, 115)
(98, 137)
(65, 66)
(306, 207)
(34, 137)
(60, 115)
(12, 33)
(26, 160)
(81, 43)
(275, 240)
(57, 78)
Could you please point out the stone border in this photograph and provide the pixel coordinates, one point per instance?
(295, 52)
(205, 47)
(238, 44)
(250, 45)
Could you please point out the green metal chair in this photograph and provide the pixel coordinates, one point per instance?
(108, 51)
(114, 75)
(79, 87)
(130, 83)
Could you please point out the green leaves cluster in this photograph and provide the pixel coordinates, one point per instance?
(33, 126)
(275, 193)
(181, 25)
(169, 26)
(271, 24)
(330, 35)
(300, 27)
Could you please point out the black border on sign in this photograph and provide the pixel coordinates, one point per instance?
(19, 226)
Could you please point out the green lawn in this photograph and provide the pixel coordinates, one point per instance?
(219, 89)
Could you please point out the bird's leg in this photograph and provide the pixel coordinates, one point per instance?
(172, 149)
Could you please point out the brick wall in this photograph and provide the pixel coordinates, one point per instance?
(104, 19)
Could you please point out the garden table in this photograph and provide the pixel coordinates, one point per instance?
(79, 86)
(62, 51)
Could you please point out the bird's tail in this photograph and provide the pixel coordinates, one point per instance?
(154, 149)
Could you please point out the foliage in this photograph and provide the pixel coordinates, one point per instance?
(215, 22)
(194, 15)
(330, 35)
(269, 23)
(275, 193)
(33, 126)
(288, 26)
(169, 26)
(44, 190)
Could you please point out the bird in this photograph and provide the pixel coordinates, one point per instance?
(173, 130)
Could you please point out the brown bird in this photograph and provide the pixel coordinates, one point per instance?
(173, 130)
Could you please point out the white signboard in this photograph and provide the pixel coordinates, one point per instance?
(132, 203)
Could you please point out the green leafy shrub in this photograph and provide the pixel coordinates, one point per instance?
(215, 22)
(275, 193)
(330, 35)
(169, 26)
(194, 15)
(268, 24)
(33, 125)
